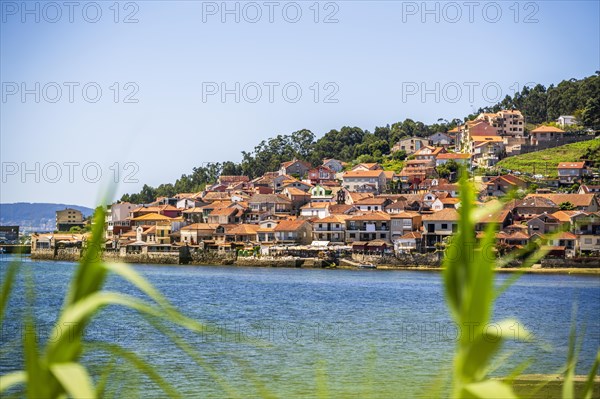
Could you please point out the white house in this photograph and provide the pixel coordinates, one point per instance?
(566, 120)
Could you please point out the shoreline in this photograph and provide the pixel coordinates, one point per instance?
(555, 270)
(282, 264)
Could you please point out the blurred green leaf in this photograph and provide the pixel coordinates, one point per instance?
(75, 379)
(490, 389)
(11, 379)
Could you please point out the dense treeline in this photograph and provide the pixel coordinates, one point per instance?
(580, 98)
(539, 104)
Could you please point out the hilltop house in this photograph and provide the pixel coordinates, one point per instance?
(459, 158)
(315, 209)
(372, 204)
(334, 164)
(439, 226)
(368, 226)
(331, 228)
(321, 174)
(545, 134)
(571, 172)
(321, 194)
(294, 168)
(441, 139)
(410, 144)
(262, 205)
(581, 202)
(69, 218)
(293, 232)
(403, 223)
(501, 185)
(370, 181)
(566, 120)
(506, 122)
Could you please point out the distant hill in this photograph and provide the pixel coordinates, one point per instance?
(548, 160)
(35, 216)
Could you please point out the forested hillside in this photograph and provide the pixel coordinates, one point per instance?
(538, 104)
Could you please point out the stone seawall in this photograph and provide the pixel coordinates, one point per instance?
(591, 262)
(402, 260)
(170, 258)
(64, 254)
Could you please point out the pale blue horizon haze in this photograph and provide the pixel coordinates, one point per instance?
(371, 55)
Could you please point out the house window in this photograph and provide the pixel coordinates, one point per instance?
(454, 228)
(352, 235)
(444, 226)
(382, 235)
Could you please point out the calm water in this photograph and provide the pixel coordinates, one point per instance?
(363, 332)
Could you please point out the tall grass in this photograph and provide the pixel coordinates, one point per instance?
(56, 370)
(470, 293)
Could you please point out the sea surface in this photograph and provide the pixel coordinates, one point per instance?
(300, 332)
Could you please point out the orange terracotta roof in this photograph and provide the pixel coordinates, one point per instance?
(371, 201)
(363, 173)
(333, 219)
(404, 215)
(575, 199)
(200, 226)
(223, 211)
(486, 139)
(446, 214)
(290, 225)
(244, 229)
(571, 165)
(547, 129)
(151, 217)
(371, 216)
(296, 191)
(449, 155)
(412, 235)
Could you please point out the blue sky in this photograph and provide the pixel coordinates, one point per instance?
(156, 116)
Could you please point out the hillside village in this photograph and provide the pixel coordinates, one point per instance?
(336, 207)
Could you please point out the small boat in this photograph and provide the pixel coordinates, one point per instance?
(367, 266)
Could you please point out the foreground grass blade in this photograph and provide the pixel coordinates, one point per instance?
(197, 357)
(139, 364)
(11, 379)
(588, 390)
(9, 278)
(75, 379)
(488, 389)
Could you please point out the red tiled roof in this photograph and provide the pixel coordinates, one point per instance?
(290, 225)
(363, 173)
(453, 156)
(571, 165)
(446, 214)
(371, 216)
(545, 129)
(575, 199)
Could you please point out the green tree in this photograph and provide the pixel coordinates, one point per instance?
(566, 206)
